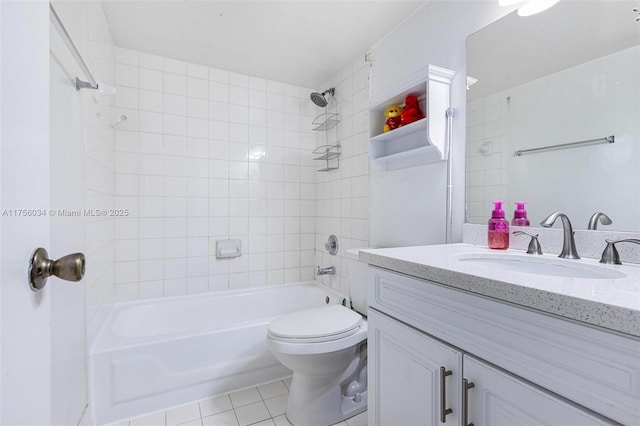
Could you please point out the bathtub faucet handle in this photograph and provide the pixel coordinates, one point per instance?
(332, 245)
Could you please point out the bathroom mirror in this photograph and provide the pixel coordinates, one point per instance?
(569, 74)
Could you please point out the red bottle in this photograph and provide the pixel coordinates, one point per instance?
(498, 227)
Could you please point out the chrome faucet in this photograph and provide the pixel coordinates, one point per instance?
(593, 222)
(569, 245)
(331, 270)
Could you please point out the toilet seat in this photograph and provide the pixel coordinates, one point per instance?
(323, 324)
(318, 330)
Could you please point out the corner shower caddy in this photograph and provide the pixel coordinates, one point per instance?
(329, 153)
(423, 141)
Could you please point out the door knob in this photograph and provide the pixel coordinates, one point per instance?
(69, 268)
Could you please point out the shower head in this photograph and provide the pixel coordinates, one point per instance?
(319, 98)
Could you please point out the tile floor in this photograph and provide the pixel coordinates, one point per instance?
(260, 406)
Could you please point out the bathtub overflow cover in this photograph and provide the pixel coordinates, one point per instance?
(327, 300)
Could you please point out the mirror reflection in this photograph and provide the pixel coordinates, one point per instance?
(570, 74)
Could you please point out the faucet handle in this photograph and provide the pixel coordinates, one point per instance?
(610, 254)
(593, 221)
(534, 244)
(332, 245)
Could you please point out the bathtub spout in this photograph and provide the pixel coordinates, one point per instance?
(331, 270)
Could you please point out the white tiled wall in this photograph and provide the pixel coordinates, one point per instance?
(486, 157)
(99, 194)
(207, 154)
(342, 206)
(99, 162)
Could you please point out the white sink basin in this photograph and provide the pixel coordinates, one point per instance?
(530, 264)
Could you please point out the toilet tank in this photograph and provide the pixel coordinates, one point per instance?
(357, 280)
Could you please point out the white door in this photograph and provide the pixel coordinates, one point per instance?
(40, 356)
(500, 399)
(405, 381)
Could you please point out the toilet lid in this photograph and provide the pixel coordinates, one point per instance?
(317, 322)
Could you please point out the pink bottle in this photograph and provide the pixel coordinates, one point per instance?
(520, 215)
(498, 237)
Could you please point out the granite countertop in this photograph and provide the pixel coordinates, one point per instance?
(612, 302)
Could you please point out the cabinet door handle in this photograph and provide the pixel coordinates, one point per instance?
(443, 395)
(466, 385)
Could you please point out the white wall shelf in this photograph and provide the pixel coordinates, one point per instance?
(401, 132)
(410, 158)
(423, 141)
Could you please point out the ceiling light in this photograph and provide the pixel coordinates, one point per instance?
(532, 7)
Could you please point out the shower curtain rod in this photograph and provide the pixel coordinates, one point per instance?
(57, 23)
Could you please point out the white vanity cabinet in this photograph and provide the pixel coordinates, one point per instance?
(499, 398)
(526, 367)
(413, 378)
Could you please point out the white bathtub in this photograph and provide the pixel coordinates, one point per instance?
(155, 354)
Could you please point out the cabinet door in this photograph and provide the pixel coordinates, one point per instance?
(498, 398)
(405, 382)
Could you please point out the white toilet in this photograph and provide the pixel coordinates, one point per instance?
(326, 348)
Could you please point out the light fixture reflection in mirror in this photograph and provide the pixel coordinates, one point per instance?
(529, 7)
(509, 2)
(571, 82)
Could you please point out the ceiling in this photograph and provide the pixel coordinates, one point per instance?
(301, 42)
